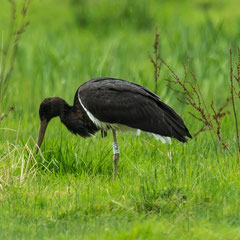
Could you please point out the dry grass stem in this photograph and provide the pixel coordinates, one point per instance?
(156, 61)
(233, 89)
(18, 165)
(4, 115)
(189, 89)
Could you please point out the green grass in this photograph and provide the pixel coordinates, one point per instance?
(182, 191)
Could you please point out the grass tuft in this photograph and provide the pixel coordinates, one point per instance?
(178, 191)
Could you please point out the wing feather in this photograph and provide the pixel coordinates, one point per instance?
(118, 101)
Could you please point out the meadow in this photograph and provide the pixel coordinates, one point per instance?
(178, 191)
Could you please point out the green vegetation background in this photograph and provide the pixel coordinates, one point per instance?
(189, 191)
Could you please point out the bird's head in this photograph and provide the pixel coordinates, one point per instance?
(49, 108)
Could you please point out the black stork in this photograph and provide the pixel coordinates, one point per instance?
(117, 105)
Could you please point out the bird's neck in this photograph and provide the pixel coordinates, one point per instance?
(76, 120)
(59, 107)
(65, 112)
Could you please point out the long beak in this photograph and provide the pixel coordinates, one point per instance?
(41, 134)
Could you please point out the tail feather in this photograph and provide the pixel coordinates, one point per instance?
(176, 125)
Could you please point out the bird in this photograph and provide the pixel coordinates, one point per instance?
(111, 104)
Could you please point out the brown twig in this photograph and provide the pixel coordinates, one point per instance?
(4, 115)
(233, 102)
(202, 129)
(192, 94)
(155, 60)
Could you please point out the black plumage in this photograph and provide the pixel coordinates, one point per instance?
(116, 101)
(108, 104)
(73, 117)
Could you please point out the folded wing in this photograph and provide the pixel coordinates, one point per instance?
(117, 101)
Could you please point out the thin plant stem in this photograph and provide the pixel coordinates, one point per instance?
(233, 102)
